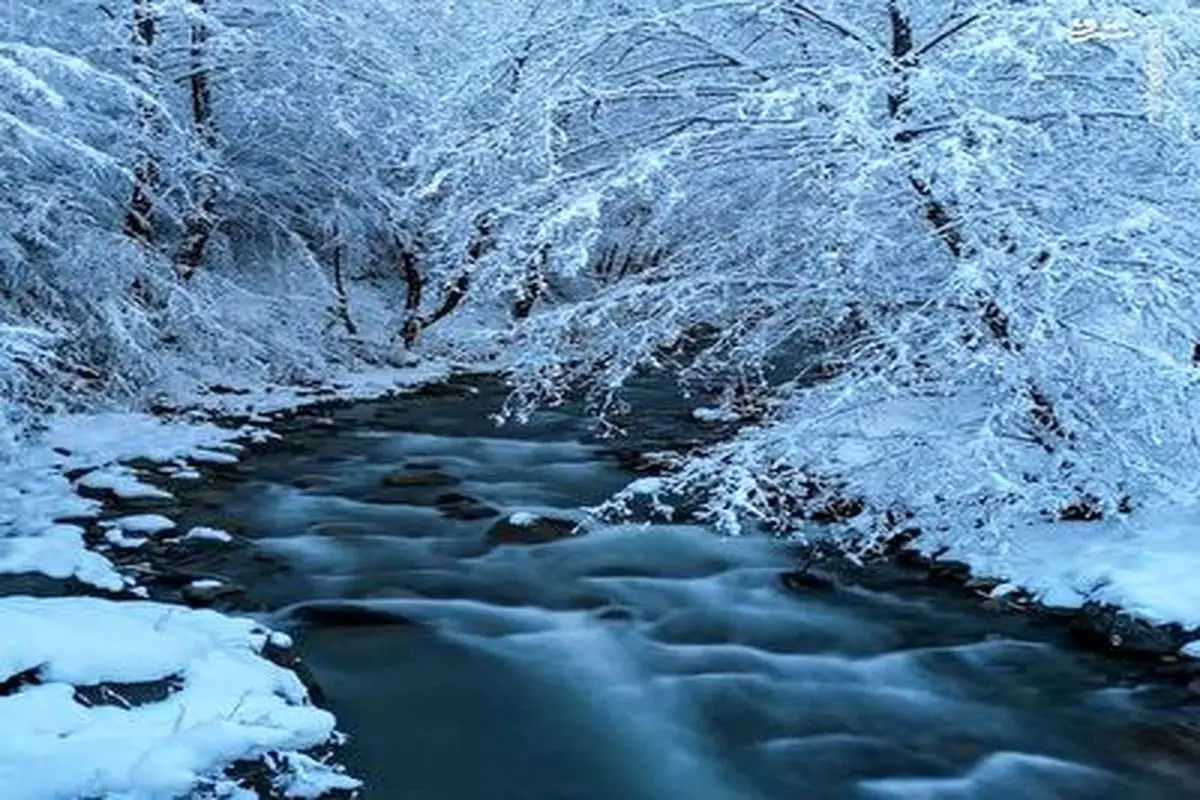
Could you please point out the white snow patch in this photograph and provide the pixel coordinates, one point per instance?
(645, 486)
(203, 456)
(1191, 649)
(117, 538)
(305, 778)
(206, 583)
(523, 518)
(233, 704)
(148, 524)
(280, 639)
(209, 534)
(123, 482)
(715, 414)
(1145, 563)
(105, 438)
(59, 553)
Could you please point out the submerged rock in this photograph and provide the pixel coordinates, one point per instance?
(460, 506)
(530, 529)
(345, 614)
(423, 478)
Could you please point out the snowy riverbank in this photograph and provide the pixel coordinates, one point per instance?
(150, 700)
(117, 697)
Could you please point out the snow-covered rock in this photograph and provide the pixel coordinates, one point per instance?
(230, 704)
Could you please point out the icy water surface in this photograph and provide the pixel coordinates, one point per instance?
(658, 663)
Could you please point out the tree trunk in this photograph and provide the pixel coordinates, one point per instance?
(202, 218)
(454, 291)
(1045, 427)
(535, 281)
(341, 302)
(139, 218)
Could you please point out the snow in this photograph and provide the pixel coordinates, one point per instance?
(715, 414)
(280, 639)
(209, 534)
(149, 524)
(232, 703)
(123, 482)
(206, 583)
(109, 437)
(1191, 649)
(305, 778)
(117, 538)
(58, 552)
(523, 518)
(1146, 563)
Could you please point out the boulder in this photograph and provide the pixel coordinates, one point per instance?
(530, 529)
(1104, 628)
(199, 594)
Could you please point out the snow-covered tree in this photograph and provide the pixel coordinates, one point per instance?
(952, 242)
(941, 249)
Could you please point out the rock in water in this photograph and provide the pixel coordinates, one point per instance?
(1106, 629)
(201, 593)
(529, 529)
(418, 478)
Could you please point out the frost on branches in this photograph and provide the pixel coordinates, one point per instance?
(944, 249)
(951, 247)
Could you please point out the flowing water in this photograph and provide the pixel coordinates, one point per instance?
(632, 662)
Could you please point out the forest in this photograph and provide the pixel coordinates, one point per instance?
(918, 270)
(943, 250)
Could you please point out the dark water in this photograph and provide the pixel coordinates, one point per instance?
(661, 663)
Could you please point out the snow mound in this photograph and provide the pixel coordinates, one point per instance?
(228, 702)
(105, 438)
(1145, 563)
(123, 482)
(58, 552)
(209, 534)
(148, 524)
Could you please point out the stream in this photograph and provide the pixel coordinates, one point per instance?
(631, 662)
